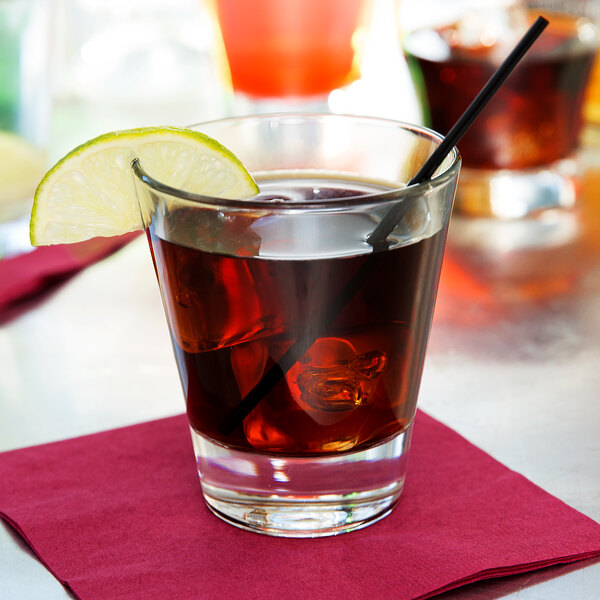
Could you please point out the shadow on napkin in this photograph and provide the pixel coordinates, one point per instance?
(29, 278)
(119, 514)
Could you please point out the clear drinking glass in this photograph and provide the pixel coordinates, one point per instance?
(300, 345)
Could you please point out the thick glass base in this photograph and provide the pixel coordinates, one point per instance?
(512, 194)
(310, 496)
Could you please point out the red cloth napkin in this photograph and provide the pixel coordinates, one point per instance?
(25, 277)
(119, 514)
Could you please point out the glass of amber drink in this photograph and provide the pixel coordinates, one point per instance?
(521, 155)
(300, 345)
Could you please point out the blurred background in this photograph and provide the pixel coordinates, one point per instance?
(73, 69)
(86, 67)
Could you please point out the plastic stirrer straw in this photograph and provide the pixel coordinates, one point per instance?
(379, 235)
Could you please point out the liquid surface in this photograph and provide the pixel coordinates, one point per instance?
(233, 317)
(534, 119)
(314, 188)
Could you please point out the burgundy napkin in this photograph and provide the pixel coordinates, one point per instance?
(25, 276)
(119, 514)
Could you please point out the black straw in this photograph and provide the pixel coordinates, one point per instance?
(379, 235)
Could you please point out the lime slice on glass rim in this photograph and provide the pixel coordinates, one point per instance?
(91, 191)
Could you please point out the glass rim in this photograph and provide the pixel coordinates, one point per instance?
(360, 199)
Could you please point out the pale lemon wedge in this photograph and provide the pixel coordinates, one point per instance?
(22, 165)
(91, 191)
